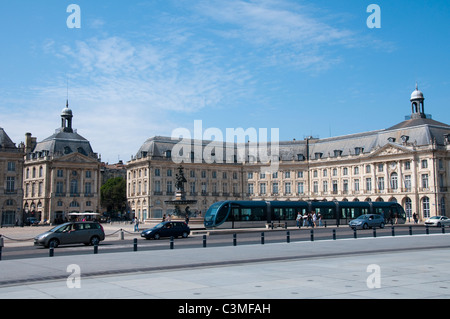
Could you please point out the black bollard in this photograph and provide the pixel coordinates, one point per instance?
(312, 234)
(354, 233)
(135, 244)
(171, 242)
(204, 240)
(1, 246)
(96, 247)
(410, 230)
(427, 230)
(288, 237)
(234, 239)
(262, 238)
(374, 232)
(334, 234)
(443, 229)
(51, 250)
(393, 231)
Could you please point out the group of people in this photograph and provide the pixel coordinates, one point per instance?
(309, 219)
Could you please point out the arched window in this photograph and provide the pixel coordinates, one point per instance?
(443, 206)
(408, 207)
(426, 207)
(73, 187)
(394, 181)
(74, 204)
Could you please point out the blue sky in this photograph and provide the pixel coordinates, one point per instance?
(142, 68)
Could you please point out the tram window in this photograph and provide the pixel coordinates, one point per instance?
(290, 213)
(278, 214)
(222, 213)
(258, 214)
(327, 213)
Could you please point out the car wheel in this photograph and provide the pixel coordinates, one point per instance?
(53, 242)
(185, 235)
(157, 236)
(382, 225)
(365, 226)
(94, 240)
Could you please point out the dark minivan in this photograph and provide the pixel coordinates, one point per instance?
(167, 229)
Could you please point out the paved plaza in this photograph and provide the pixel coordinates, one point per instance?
(412, 267)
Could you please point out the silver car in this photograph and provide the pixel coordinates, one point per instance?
(88, 233)
(438, 221)
(367, 220)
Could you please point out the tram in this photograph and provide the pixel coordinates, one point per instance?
(237, 214)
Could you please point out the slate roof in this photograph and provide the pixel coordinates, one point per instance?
(5, 142)
(62, 143)
(417, 132)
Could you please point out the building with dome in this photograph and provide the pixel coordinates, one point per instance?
(11, 168)
(61, 174)
(408, 163)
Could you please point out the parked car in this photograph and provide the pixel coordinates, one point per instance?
(167, 229)
(87, 233)
(367, 220)
(438, 221)
(31, 221)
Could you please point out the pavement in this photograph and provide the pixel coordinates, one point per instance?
(406, 267)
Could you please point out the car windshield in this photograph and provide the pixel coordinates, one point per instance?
(60, 228)
(435, 217)
(363, 217)
(158, 226)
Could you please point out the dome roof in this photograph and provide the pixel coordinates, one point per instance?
(66, 112)
(416, 94)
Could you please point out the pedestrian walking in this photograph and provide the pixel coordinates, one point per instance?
(415, 218)
(136, 224)
(299, 219)
(319, 217)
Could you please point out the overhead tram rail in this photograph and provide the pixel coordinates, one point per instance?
(238, 214)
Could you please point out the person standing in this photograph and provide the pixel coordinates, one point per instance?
(299, 219)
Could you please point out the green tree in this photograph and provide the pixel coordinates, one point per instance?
(113, 194)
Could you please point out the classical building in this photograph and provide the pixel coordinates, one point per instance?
(61, 174)
(408, 163)
(11, 170)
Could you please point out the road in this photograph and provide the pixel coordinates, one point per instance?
(213, 239)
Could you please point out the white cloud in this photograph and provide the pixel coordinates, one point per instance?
(287, 33)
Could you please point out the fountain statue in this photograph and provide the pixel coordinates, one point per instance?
(180, 202)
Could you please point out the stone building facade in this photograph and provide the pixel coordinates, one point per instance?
(61, 174)
(408, 163)
(11, 168)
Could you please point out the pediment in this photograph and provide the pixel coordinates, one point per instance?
(391, 149)
(77, 158)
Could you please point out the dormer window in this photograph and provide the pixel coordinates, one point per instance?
(391, 139)
(359, 150)
(67, 150)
